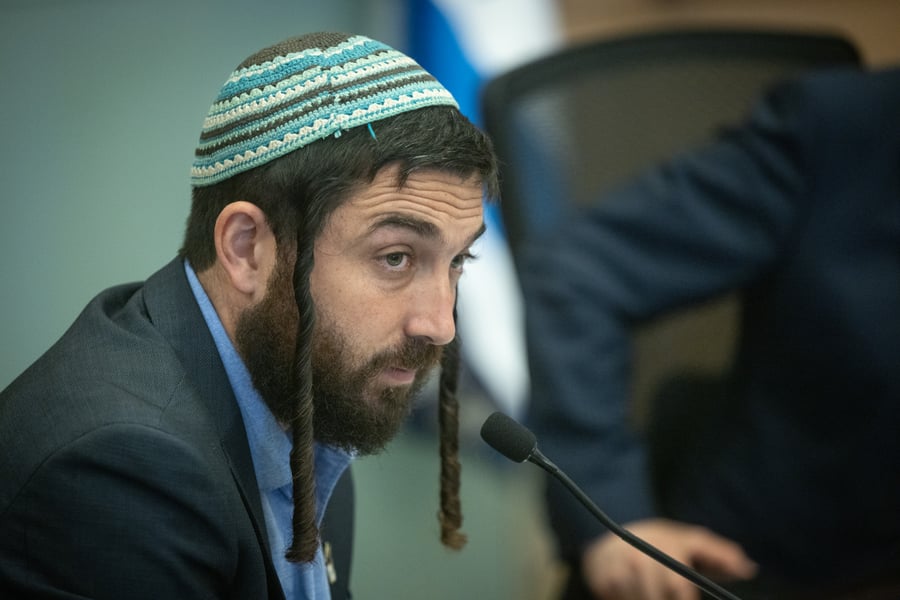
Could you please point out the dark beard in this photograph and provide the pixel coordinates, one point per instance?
(344, 413)
(265, 336)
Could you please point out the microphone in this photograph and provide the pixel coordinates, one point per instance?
(518, 444)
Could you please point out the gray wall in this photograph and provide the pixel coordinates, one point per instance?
(101, 107)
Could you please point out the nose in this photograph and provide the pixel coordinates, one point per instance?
(430, 313)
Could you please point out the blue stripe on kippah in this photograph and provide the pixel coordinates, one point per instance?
(288, 78)
(360, 83)
(378, 95)
(250, 95)
(217, 161)
(292, 102)
(259, 76)
(353, 49)
(306, 119)
(303, 119)
(261, 79)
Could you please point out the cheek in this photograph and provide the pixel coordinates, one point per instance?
(368, 322)
(368, 317)
(332, 290)
(338, 304)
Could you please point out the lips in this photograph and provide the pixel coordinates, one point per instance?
(399, 375)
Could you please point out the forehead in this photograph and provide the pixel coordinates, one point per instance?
(441, 199)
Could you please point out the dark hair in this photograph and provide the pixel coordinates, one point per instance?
(309, 183)
(297, 193)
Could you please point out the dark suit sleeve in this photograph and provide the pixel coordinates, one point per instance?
(337, 532)
(705, 222)
(125, 511)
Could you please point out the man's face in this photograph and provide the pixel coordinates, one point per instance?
(384, 285)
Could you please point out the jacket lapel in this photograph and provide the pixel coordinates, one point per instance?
(175, 313)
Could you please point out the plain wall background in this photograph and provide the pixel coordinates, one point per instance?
(101, 109)
(870, 24)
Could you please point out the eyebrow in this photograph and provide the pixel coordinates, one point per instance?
(420, 227)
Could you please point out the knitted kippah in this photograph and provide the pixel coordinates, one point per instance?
(302, 90)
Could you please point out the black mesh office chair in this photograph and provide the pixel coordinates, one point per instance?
(571, 125)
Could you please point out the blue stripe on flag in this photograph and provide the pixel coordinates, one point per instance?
(434, 45)
(463, 43)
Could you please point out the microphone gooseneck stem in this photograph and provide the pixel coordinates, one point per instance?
(708, 586)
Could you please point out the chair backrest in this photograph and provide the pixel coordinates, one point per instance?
(569, 126)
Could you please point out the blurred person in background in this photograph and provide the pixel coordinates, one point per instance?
(789, 486)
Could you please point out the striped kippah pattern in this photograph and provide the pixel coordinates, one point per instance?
(302, 90)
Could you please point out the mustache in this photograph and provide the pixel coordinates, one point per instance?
(412, 355)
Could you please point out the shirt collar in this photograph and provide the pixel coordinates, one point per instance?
(270, 445)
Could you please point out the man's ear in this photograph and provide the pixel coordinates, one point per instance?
(245, 247)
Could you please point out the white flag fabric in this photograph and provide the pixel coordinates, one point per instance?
(464, 43)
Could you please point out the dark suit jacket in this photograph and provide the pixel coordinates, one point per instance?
(125, 470)
(800, 210)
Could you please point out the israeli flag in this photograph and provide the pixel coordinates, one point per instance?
(464, 43)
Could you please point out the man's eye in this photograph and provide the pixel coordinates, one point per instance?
(395, 259)
(460, 260)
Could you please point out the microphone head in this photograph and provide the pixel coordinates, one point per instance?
(508, 437)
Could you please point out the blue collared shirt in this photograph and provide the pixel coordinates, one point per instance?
(270, 447)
